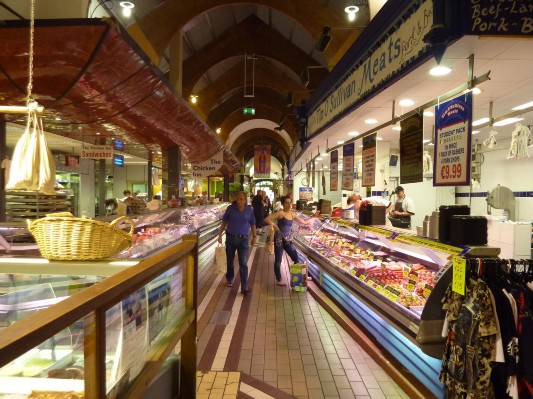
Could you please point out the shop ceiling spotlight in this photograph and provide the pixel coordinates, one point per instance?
(127, 6)
(351, 11)
(194, 98)
(440, 70)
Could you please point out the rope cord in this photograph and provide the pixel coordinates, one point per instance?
(30, 66)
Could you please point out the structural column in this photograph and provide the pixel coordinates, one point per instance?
(171, 173)
(176, 61)
(3, 154)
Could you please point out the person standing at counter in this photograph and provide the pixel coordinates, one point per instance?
(282, 239)
(237, 221)
(354, 201)
(404, 206)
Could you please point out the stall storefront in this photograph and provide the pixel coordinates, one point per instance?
(377, 123)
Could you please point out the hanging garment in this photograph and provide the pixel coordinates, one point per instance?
(427, 162)
(469, 352)
(491, 141)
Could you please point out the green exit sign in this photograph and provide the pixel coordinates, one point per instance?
(248, 111)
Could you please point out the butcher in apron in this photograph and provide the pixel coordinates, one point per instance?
(404, 207)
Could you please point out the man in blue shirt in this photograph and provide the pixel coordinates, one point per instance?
(237, 221)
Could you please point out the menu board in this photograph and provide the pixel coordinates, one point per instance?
(369, 160)
(453, 137)
(334, 171)
(502, 17)
(411, 149)
(347, 170)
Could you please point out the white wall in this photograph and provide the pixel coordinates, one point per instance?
(515, 174)
(129, 173)
(87, 195)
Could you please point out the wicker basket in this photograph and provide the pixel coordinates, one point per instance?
(63, 237)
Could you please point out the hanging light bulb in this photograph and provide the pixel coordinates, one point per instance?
(351, 11)
(127, 6)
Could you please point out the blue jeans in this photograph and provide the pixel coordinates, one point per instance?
(280, 245)
(240, 245)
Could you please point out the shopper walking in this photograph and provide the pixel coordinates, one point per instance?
(259, 211)
(237, 221)
(282, 237)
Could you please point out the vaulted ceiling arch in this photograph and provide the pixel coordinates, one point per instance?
(255, 124)
(253, 37)
(244, 145)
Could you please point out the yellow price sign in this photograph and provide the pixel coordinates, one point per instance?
(379, 287)
(459, 275)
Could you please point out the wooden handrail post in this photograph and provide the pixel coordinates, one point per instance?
(188, 341)
(94, 348)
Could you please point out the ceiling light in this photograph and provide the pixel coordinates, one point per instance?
(406, 102)
(98, 133)
(440, 70)
(476, 90)
(431, 144)
(194, 98)
(340, 142)
(218, 130)
(523, 106)
(371, 121)
(379, 138)
(480, 121)
(351, 11)
(397, 128)
(475, 131)
(318, 159)
(127, 6)
(354, 133)
(325, 167)
(508, 121)
(428, 113)
(324, 154)
(361, 146)
(58, 118)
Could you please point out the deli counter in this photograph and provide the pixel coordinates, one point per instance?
(136, 327)
(391, 282)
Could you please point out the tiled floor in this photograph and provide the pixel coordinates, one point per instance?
(278, 337)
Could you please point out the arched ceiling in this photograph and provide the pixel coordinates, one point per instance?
(216, 37)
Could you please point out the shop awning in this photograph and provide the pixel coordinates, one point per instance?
(97, 81)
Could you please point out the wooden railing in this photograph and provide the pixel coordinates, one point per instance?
(91, 305)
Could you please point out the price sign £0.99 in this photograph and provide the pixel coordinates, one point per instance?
(453, 133)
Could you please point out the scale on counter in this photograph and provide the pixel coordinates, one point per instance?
(502, 198)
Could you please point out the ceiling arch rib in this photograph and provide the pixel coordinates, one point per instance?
(253, 37)
(265, 75)
(264, 98)
(160, 25)
(244, 127)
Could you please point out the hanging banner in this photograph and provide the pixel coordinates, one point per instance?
(453, 139)
(334, 171)
(262, 161)
(96, 152)
(369, 160)
(411, 149)
(347, 168)
(313, 173)
(306, 193)
(208, 167)
(502, 17)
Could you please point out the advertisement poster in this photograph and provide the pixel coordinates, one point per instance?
(369, 160)
(411, 149)
(158, 305)
(334, 171)
(347, 169)
(262, 161)
(453, 138)
(134, 324)
(306, 193)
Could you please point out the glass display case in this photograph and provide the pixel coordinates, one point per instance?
(392, 282)
(135, 327)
